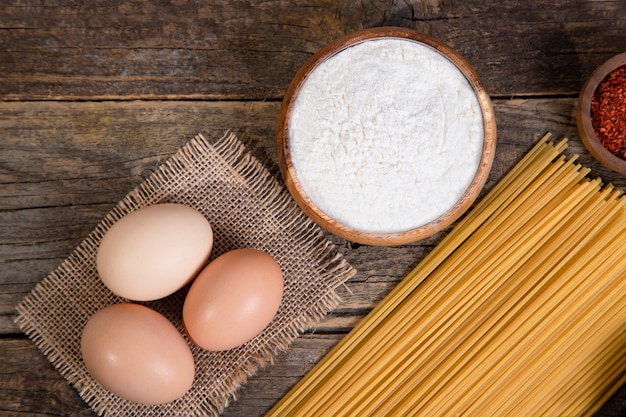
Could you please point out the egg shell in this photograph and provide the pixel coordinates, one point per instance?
(154, 251)
(137, 354)
(233, 299)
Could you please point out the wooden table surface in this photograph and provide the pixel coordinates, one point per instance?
(95, 94)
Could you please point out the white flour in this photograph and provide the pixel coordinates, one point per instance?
(386, 136)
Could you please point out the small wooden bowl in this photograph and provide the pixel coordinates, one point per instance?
(385, 239)
(584, 120)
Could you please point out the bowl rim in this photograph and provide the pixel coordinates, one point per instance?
(396, 238)
(583, 115)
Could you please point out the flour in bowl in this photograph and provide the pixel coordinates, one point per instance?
(386, 135)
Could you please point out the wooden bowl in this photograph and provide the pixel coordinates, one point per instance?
(584, 119)
(290, 174)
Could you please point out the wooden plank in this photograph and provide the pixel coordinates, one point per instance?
(66, 156)
(25, 370)
(61, 173)
(93, 153)
(65, 169)
(251, 50)
(30, 386)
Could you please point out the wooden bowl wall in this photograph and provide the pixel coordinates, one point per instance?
(584, 120)
(309, 207)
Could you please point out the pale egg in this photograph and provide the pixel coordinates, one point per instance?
(137, 354)
(233, 299)
(153, 252)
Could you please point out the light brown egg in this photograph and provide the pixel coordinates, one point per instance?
(153, 252)
(233, 299)
(137, 354)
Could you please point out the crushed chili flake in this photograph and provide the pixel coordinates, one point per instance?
(608, 112)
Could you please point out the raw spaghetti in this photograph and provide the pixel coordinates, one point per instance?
(518, 311)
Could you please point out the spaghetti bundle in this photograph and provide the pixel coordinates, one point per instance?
(520, 310)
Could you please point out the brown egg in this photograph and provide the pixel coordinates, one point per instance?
(233, 299)
(137, 354)
(152, 252)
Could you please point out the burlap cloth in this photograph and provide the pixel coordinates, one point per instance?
(247, 207)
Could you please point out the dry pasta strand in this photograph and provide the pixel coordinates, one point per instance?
(518, 311)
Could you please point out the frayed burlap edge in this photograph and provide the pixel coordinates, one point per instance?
(330, 266)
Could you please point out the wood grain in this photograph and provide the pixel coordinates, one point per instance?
(73, 161)
(95, 95)
(132, 49)
(61, 174)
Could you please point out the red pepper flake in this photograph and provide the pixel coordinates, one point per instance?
(608, 112)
